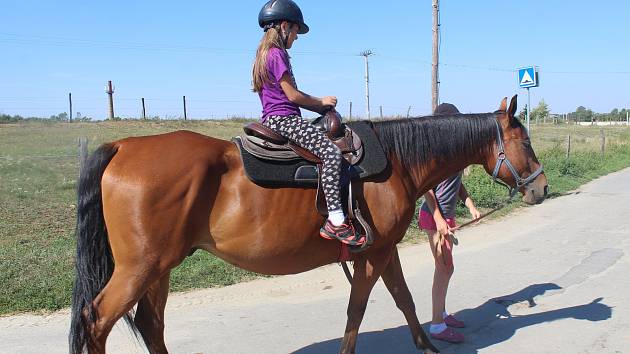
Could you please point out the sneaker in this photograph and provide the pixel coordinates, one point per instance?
(345, 233)
(451, 321)
(449, 335)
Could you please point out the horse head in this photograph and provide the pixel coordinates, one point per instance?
(513, 160)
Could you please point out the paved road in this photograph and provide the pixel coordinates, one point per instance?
(548, 279)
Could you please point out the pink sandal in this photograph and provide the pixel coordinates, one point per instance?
(449, 335)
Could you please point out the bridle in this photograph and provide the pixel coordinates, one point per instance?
(501, 159)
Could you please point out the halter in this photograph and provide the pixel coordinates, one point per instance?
(501, 158)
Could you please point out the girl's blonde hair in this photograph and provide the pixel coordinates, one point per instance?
(260, 74)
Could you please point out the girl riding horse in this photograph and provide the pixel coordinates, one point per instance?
(273, 79)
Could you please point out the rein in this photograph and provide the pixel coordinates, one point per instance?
(474, 221)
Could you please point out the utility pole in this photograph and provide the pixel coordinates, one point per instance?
(110, 93)
(70, 99)
(366, 54)
(144, 110)
(435, 81)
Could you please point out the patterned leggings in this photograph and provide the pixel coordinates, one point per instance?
(298, 130)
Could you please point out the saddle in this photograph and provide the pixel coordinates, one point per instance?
(273, 160)
(273, 146)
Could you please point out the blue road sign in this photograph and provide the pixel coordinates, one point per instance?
(528, 77)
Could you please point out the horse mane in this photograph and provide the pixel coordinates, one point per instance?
(414, 141)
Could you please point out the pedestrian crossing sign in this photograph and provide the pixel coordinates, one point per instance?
(528, 77)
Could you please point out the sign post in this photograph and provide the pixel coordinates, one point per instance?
(528, 78)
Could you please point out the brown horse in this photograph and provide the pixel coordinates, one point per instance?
(146, 203)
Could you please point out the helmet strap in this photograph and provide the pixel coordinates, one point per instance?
(268, 26)
(284, 36)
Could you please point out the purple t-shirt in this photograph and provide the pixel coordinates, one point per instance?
(273, 99)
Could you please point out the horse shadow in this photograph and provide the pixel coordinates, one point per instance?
(488, 324)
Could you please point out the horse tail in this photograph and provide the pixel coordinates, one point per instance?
(94, 261)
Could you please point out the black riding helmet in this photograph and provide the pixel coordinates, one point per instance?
(276, 11)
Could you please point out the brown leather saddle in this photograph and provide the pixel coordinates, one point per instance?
(264, 143)
(276, 147)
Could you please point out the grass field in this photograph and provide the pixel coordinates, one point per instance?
(38, 172)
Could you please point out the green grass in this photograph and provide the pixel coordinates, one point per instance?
(38, 172)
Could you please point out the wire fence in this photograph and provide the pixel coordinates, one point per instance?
(566, 135)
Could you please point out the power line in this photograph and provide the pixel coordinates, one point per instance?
(66, 42)
(88, 43)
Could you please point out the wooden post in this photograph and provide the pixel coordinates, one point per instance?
(350, 117)
(602, 138)
(185, 115)
(569, 145)
(381, 109)
(110, 93)
(144, 111)
(83, 153)
(70, 99)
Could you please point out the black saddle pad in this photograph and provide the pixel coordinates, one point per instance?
(302, 173)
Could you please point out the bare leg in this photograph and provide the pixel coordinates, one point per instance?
(150, 315)
(395, 281)
(367, 270)
(441, 278)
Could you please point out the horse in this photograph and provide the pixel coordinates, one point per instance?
(146, 203)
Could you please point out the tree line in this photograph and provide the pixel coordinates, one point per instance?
(61, 117)
(581, 114)
(541, 112)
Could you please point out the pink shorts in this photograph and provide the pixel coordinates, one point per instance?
(426, 222)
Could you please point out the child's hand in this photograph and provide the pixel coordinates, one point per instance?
(329, 101)
(474, 213)
(442, 228)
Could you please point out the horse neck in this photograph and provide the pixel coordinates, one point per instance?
(426, 177)
(434, 148)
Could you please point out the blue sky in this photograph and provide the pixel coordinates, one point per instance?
(162, 50)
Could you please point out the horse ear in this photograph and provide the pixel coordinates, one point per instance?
(503, 105)
(512, 110)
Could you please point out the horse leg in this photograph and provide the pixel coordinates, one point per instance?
(123, 290)
(367, 270)
(395, 282)
(150, 315)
